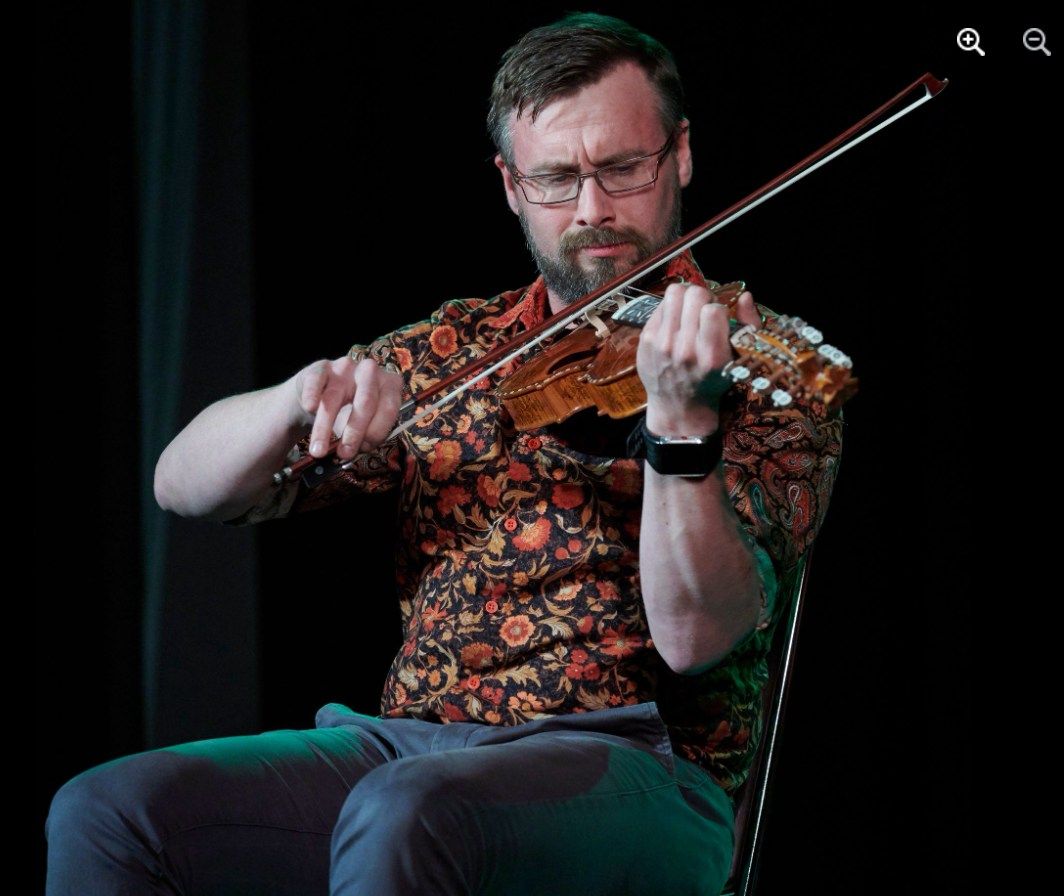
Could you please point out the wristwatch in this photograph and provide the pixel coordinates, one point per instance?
(689, 456)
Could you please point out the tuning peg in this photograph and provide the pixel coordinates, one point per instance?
(835, 356)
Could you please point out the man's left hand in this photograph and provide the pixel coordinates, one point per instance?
(682, 349)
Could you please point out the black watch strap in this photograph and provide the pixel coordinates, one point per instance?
(689, 457)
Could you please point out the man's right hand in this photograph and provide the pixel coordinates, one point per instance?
(358, 401)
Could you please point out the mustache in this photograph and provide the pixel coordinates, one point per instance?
(597, 237)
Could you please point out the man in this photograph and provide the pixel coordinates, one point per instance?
(577, 696)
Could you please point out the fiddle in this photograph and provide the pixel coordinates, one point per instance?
(596, 366)
(786, 353)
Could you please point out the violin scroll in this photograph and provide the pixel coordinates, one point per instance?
(790, 357)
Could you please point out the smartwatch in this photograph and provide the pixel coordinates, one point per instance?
(689, 456)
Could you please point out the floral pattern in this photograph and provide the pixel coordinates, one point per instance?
(518, 563)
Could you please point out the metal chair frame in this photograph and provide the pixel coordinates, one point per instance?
(753, 795)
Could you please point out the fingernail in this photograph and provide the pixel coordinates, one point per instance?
(317, 447)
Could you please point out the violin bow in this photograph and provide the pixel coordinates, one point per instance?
(501, 355)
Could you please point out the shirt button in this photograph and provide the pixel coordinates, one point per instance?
(510, 524)
(492, 606)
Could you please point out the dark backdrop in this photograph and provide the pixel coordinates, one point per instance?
(338, 183)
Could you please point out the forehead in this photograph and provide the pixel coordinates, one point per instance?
(619, 112)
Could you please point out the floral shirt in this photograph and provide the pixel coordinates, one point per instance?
(518, 557)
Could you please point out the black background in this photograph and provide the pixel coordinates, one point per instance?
(916, 253)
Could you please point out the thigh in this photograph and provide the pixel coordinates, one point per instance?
(555, 812)
(223, 816)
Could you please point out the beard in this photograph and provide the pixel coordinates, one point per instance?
(564, 276)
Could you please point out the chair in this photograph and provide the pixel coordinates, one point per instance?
(752, 797)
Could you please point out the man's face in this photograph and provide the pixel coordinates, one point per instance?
(581, 244)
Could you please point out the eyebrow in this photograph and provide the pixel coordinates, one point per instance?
(559, 167)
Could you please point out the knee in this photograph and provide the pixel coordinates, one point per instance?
(401, 802)
(115, 796)
(85, 801)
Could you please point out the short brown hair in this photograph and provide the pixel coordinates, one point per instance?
(559, 59)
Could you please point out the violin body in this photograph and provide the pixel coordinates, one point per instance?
(592, 366)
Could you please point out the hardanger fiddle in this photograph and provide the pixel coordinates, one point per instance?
(594, 366)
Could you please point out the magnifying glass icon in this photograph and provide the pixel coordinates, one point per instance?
(968, 39)
(1035, 39)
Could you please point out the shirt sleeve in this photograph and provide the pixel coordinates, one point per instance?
(780, 466)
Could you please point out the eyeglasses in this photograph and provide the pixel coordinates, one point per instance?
(620, 177)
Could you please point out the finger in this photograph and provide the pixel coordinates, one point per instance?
(685, 350)
(363, 408)
(335, 394)
(671, 309)
(311, 385)
(389, 397)
(746, 311)
(714, 349)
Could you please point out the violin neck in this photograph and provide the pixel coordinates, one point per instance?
(636, 312)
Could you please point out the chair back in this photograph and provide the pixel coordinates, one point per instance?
(752, 798)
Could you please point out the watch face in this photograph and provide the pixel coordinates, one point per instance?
(686, 456)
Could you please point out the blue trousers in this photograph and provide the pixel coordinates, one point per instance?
(589, 803)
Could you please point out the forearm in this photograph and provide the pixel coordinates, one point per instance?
(224, 460)
(698, 574)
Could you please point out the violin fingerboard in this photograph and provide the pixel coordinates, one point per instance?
(637, 312)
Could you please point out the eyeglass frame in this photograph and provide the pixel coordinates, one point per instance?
(661, 154)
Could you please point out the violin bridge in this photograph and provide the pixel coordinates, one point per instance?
(601, 330)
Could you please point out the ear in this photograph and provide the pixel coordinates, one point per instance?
(684, 164)
(508, 184)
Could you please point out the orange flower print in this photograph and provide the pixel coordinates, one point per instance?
(454, 713)
(444, 341)
(477, 655)
(430, 615)
(534, 535)
(450, 496)
(495, 695)
(519, 472)
(579, 655)
(434, 678)
(574, 671)
(488, 490)
(405, 359)
(400, 694)
(516, 630)
(445, 457)
(607, 590)
(464, 422)
(567, 495)
(584, 625)
(617, 642)
(525, 701)
(473, 682)
(591, 671)
(492, 717)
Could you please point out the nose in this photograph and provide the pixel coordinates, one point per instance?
(594, 206)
